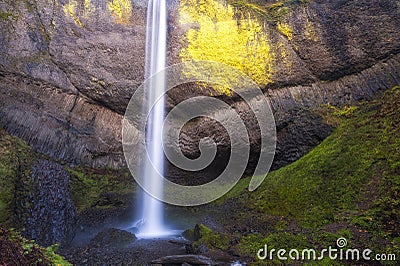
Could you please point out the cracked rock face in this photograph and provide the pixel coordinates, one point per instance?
(69, 68)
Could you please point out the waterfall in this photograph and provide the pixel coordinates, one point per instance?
(156, 41)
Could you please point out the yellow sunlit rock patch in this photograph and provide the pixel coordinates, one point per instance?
(310, 31)
(216, 35)
(70, 10)
(121, 10)
(285, 29)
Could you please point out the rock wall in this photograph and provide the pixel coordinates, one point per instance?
(333, 39)
(299, 126)
(76, 129)
(69, 68)
(61, 125)
(44, 208)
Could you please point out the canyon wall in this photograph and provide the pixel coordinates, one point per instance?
(69, 68)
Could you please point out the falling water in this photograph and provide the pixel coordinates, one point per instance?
(156, 41)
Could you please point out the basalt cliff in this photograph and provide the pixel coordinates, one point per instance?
(69, 68)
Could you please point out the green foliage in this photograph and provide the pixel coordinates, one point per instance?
(56, 259)
(32, 252)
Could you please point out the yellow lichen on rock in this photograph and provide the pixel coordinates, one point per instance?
(310, 32)
(285, 29)
(121, 10)
(216, 35)
(284, 53)
(88, 7)
(70, 10)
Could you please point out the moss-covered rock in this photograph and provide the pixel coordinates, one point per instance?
(204, 238)
(101, 195)
(16, 158)
(34, 194)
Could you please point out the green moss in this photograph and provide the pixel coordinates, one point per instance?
(285, 30)
(89, 187)
(189, 234)
(211, 239)
(70, 10)
(121, 10)
(5, 15)
(310, 31)
(16, 158)
(328, 179)
(347, 186)
(346, 111)
(251, 244)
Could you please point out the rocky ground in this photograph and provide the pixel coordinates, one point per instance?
(139, 252)
(119, 247)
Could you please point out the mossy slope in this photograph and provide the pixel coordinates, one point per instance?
(348, 186)
(16, 250)
(101, 194)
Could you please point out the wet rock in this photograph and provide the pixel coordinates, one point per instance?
(184, 259)
(112, 237)
(45, 210)
(192, 234)
(140, 252)
(180, 241)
